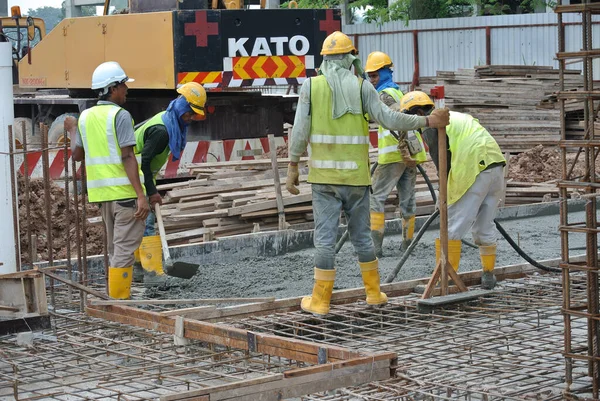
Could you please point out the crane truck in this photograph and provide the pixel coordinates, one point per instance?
(247, 59)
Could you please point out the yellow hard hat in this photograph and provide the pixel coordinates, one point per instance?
(376, 61)
(195, 95)
(414, 98)
(337, 43)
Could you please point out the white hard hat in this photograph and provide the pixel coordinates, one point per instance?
(107, 74)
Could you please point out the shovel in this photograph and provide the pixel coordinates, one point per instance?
(171, 268)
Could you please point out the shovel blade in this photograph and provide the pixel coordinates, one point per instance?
(181, 269)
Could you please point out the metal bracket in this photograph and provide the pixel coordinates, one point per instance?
(251, 342)
(322, 356)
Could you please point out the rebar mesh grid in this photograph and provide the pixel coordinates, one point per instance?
(85, 358)
(506, 345)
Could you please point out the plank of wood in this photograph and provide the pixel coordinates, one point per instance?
(243, 163)
(196, 232)
(187, 311)
(211, 301)
(292, 200)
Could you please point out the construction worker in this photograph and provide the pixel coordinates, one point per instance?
(163, 135)
(331, 116)
(475, 182)
(396, 164)
(106, 139)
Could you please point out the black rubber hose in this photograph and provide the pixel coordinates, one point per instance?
(412, 246)
(522, 253)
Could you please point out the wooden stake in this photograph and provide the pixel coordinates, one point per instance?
(279, 196)
(443, 268)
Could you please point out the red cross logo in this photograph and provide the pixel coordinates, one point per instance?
(201, 29)
(329, 25)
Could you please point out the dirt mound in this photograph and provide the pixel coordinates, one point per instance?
(37, 222)
(538, 164)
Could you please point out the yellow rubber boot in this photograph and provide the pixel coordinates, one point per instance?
(454, 248)
(151, 255)
(119, 282)
(408, 231)
(370, 276)
(488, 262)
(318, 303)
(377, 230)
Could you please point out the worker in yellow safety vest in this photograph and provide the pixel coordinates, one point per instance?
(163, 135)
(397, 158)
(106, 139)
(331, 117)
(475, 182)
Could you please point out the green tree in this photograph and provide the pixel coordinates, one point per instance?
(53, 15)
(405, 10)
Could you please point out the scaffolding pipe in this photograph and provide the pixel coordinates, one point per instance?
(8, 262)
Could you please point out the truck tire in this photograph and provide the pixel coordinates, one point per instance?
(33, 137)
(56, 131)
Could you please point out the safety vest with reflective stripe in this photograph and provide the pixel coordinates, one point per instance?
(388, 152)
(340, 147)
(473, 150)
(105, 174)
(159, 160)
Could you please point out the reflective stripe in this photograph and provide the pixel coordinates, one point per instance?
(338, 165)
(340, 139)
(388, 149)
(383, 134)
(114, 157)
(110, 182)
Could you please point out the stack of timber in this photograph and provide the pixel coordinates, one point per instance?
(231, 198)
(515, 103)
(239, 197)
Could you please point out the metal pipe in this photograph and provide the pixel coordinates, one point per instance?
(8, 263)
(77, 229)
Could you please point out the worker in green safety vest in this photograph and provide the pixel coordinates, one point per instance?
(331, 117)
(475, 182)
(397, 158)
(163, 135)
(106, 139)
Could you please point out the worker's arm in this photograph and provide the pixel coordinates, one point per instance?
(301, 128)
(77, 152)
(407, 159)
(384, 115)
(131, 168)
(156, 139)
(126, 139)
(430, 137)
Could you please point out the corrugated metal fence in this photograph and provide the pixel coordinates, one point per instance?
(453, 43)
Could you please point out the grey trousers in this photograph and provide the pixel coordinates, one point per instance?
(328, 202)
(477, 208)
(388, 176)
(124, 232)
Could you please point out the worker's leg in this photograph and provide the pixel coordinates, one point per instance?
(484, 230)
(462, 215)
(128, 233)
(384, 180)
(356, 207)
(408, 204)
(107, 213)
(327, 206)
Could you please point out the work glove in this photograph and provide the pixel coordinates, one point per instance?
(407, 159)
(439, 118)
(292, 179)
